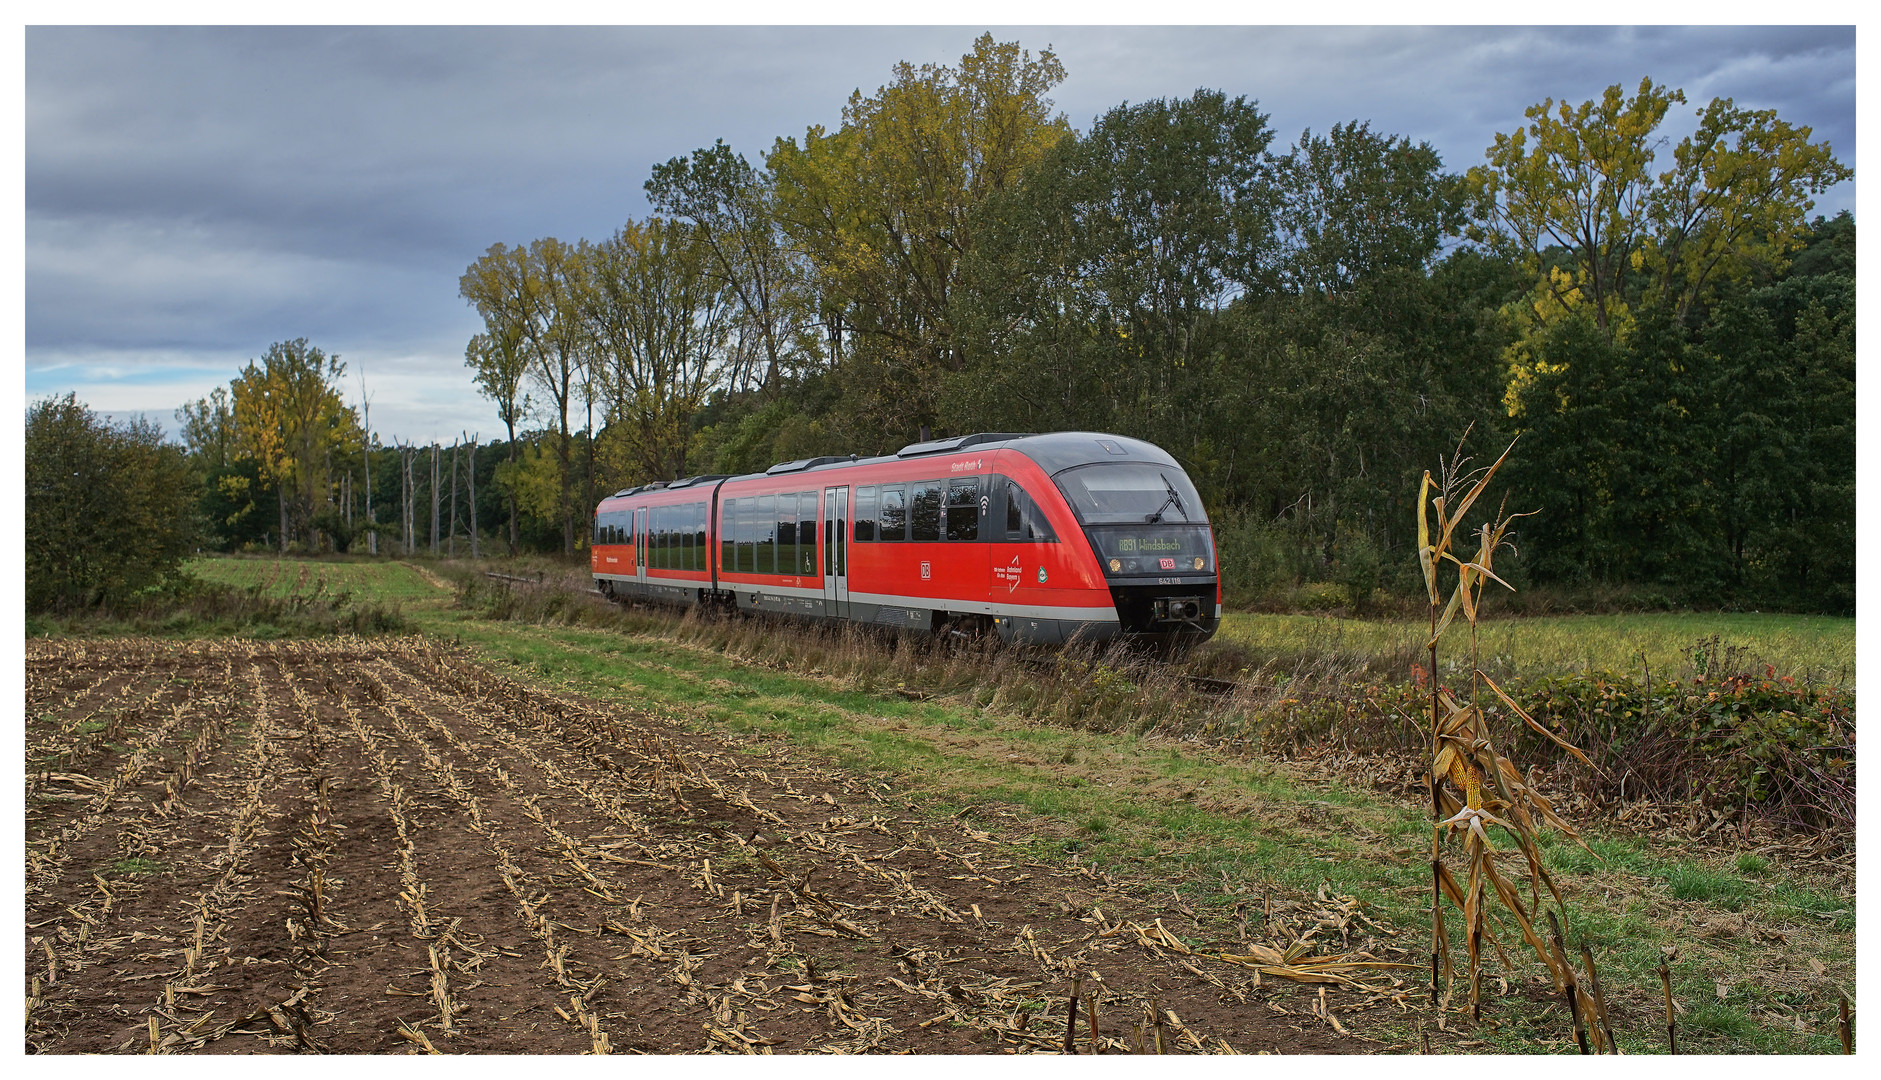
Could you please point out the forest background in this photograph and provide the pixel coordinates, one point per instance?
(1306, 326)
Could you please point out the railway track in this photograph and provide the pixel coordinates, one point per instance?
(1203, 684)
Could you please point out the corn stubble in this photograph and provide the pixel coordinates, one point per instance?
(1473, 786)
(658, 890)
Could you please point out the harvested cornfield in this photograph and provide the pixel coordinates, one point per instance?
(381, 846)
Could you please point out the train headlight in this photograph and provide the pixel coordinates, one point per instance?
(1200, 562)
(1116, 566)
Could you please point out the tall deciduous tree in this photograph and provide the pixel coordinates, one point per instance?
(730, 205)
(497, 285)
(661, 317)
(289, 417)
(500, 363)
(1581, 178)
(208, 429)
(1736, 200)
(1357, 204)
(535, 295)
(1105, 267)
(560, 351)
(882, 208)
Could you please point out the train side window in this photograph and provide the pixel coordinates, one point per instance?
(963, 509)
(1023, 520)
(806, 533)
(750, 537)
(748, 534)
(656, 537)
(894, 513)
(725, 534)
(682, 537)
(926, 511)
(741, 526)
(701, 517)
(688, 539)
(865, 514)
(787, 534)
(766, 536)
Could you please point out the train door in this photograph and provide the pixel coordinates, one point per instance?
(640, 544)
(836, 552)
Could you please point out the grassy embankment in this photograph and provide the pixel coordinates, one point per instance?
(1226, 829)
(1817, 648)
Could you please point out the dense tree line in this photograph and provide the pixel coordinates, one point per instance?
(1307, 326)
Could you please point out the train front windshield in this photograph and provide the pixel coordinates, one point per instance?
(1142, 520)
(1132, 494)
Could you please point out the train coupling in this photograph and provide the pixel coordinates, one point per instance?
(1176, 609)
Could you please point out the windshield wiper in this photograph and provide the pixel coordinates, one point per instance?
(1173, 498)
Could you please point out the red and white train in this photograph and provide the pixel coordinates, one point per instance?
(1039, 538)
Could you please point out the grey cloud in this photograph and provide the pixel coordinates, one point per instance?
(202, 191)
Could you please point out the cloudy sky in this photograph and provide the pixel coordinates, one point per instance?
(192, 195)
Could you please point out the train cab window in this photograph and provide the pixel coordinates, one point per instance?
(894, 513)
(963, 509)
(865, 514)
(806, 533)
(926, 511)
(1024, 522)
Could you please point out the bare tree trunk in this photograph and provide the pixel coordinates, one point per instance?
(476, 550)
(404, 500)
(509, 495)
(411, 504)
(589, 488)
(280, 493)
(451, 544)
(434, 499)
(372, 538)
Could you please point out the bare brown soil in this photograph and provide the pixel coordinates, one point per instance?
(383, 847)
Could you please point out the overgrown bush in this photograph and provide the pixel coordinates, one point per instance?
(109, 507)
(1754, 745)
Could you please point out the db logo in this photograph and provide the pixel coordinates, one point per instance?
(1166, 564)
(927, 570)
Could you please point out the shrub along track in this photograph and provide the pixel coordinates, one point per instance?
(354, 846)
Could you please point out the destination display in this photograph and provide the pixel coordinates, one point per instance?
(1153, 550)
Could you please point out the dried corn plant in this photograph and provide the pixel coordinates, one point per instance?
(1473, 787)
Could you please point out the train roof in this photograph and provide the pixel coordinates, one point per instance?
(1054, 452)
